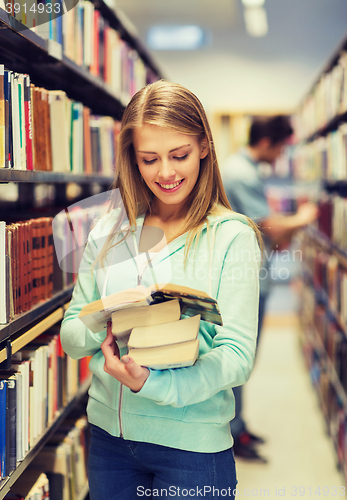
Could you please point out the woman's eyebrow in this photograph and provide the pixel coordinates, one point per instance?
(171, 151)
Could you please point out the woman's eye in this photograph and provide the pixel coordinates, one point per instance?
(181, 158)
(149, 162)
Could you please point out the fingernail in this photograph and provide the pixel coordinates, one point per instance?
(125, 359)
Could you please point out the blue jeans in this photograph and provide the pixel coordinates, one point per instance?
(128, 470)
(237, 425)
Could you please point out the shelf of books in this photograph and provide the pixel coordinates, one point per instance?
(67, 71)
(321, 156)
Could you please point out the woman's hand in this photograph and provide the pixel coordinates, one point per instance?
(125, 370)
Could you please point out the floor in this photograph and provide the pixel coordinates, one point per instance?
(281, 406)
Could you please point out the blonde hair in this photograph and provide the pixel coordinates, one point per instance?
(174, 107)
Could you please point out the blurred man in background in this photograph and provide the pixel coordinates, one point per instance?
(245, 189)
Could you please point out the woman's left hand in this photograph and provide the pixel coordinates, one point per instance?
(125, 370)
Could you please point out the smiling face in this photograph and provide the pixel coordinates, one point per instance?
(169, 163)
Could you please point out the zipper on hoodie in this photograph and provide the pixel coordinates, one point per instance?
(120, 410)
(120, 405)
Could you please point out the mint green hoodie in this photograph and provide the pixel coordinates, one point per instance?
(186, 408)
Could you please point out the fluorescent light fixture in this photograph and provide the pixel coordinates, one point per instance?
(253, 3)
(188, 37)
(256, 21)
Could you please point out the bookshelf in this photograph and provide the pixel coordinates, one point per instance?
(47, 62)
(320, 156)
(6, 484)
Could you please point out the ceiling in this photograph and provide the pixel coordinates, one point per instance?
(236, 71)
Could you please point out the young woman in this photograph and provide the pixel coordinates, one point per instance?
(159, 433)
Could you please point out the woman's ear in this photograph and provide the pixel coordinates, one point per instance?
(204, 149)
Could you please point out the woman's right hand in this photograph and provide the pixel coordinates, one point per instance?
(125, 370)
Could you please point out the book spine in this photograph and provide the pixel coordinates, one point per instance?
(29, 261)
(42, 257)
(21, 265)
(36, 260)
(2, 120)
(8, 125)
(50, 252)
(16, 269)
(4, 317)
(11, 416)
(22, 124)
(3, 392)
(28, 123)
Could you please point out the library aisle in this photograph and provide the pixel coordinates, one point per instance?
(281, 406)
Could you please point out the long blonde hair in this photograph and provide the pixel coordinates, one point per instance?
(174, 107)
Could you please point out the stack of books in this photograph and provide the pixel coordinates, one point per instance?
(149, 322)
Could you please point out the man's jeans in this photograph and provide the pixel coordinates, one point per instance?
(237, 425)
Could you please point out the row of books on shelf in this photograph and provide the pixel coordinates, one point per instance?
(326, 331)
(39, 490)
(328, 277)
(40, 382)
(281, 199)
(333, 218)
(331, 399)
(45, 130)
(29, 253)
(86, 38)
(64, 462)
(327, 100)
(26, 255)
(324, 158)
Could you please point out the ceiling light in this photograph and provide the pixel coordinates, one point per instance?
(256, 21)
(188, 37)
(253, 3)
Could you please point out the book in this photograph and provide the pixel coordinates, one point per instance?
(165, 357)
(4, 312)
(169, 345)
(3, 393)
(2, 119)
(173, 332)
(96, 314)
(124, 320)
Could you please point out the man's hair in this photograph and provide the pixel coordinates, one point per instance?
(275, 128)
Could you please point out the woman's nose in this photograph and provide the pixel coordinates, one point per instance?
(166, 170)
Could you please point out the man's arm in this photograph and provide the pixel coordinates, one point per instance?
(279, 227)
